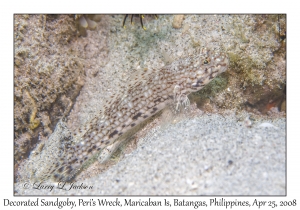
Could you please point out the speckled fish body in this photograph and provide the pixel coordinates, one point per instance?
(147, 94)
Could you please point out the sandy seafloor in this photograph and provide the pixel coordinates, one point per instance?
(207, 155)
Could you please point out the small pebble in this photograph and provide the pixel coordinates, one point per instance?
(177, 21)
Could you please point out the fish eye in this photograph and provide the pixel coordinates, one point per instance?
(205, 61)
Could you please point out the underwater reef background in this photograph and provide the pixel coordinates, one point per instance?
(67, 66)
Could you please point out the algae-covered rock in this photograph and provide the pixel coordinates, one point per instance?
(47, 69)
